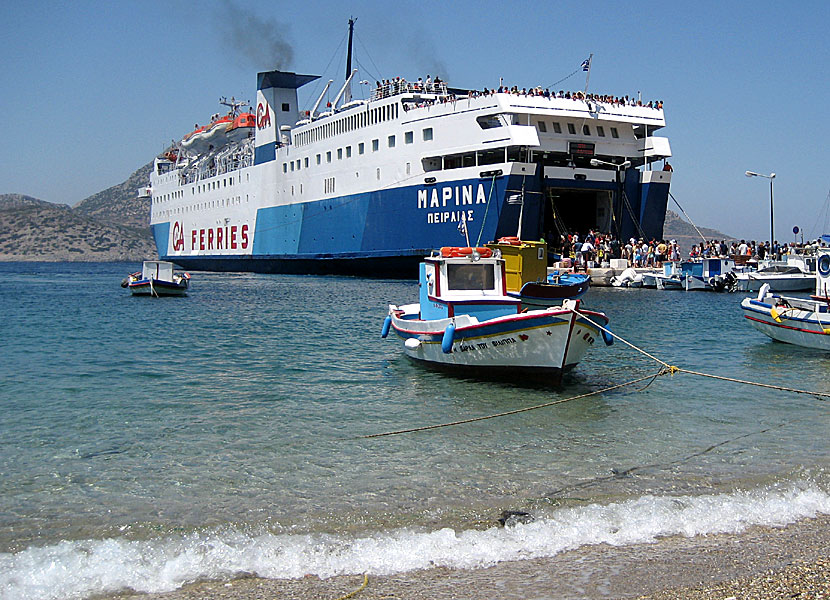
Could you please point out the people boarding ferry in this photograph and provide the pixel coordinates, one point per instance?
(371, 185)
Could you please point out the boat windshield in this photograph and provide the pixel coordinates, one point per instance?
(470, 276)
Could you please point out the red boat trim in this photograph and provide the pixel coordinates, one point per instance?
(784, 326)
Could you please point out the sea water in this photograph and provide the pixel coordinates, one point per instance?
(146, 443)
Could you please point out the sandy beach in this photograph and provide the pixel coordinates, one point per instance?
(766, 563)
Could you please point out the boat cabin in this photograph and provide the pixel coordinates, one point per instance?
(707, 267)
(157, 269)
(471, 285)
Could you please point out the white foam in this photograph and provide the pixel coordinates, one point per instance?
(79, 569)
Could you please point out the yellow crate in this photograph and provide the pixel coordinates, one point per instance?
(527, 261)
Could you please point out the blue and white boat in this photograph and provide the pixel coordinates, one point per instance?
(157, 278)
(800, 321)
(706, 273)
(370, 185)
(466, 323)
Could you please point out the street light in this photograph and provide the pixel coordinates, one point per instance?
(771, 176)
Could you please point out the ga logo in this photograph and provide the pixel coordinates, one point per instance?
(178, 237)
(263, 116)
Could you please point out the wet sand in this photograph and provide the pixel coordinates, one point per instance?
(768, 563)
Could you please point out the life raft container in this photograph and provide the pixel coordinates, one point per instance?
(456, 251)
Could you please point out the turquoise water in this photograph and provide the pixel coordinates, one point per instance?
(149, 442)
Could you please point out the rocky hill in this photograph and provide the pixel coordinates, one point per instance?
(675, 228)
(120, 203)
(35, 230)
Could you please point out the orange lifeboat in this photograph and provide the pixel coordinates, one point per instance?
(241, 127)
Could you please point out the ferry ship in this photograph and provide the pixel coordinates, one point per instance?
(369, 187)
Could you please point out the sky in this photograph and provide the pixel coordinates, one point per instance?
(745, 85)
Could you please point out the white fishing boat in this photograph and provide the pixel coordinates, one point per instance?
(157, 278)
(466, 323)
(707, 274)
(798, 274)
(800, 321)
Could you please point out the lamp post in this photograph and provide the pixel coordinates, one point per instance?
(771, 176)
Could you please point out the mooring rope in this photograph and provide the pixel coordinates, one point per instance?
(512, 412)
(358, 590)
(671, 369)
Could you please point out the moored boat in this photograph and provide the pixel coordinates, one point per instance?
(466, 323)
(157, 278)
(800, 321)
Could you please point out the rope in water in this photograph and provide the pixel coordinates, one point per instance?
(513, 412)
(358, 590)
(666, 370)
(671, 369)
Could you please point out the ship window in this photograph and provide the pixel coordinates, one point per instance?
(517, 154)
(428, 134)
(285, 167)
(328, 156)
(318, 159)
(571, 129)
(408, 168)
(586, 130)
(431, 164)
(491, 157)
(391, 141)
(378, 173)
(285, 107)
(361, 147)
(375, 145)
(614, 133)
(489, 122)
(292, 165)
(339, 153)
(556, 127)
(600, 131)
(408, 137)
(542, 127)
(306, 162)
(348, 151)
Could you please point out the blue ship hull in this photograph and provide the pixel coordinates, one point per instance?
(385, 233)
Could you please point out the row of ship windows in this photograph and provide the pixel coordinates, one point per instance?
(391, 141)
(350, 123)
(201, 187)
(586, 130)
(232, 201)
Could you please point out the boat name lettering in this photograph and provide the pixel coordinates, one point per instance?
(458, 195)
(230, 237)
(449, 216)
(504, 342)
(468, 347)
(263, 116)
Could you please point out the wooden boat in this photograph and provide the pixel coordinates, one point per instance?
(157, 278)
(800, 321)
(466, 323)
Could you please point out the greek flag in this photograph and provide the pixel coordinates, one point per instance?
(586, 64)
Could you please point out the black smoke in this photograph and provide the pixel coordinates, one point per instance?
(259, 40)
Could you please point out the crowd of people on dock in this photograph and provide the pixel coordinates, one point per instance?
(599, 248)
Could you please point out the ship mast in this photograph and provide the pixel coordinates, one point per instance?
(348, 96)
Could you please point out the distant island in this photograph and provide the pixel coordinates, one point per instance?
(113, 225)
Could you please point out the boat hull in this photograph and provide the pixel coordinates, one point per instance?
(806, 328)
(542, 344)
(753, 283)
(157, 287)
